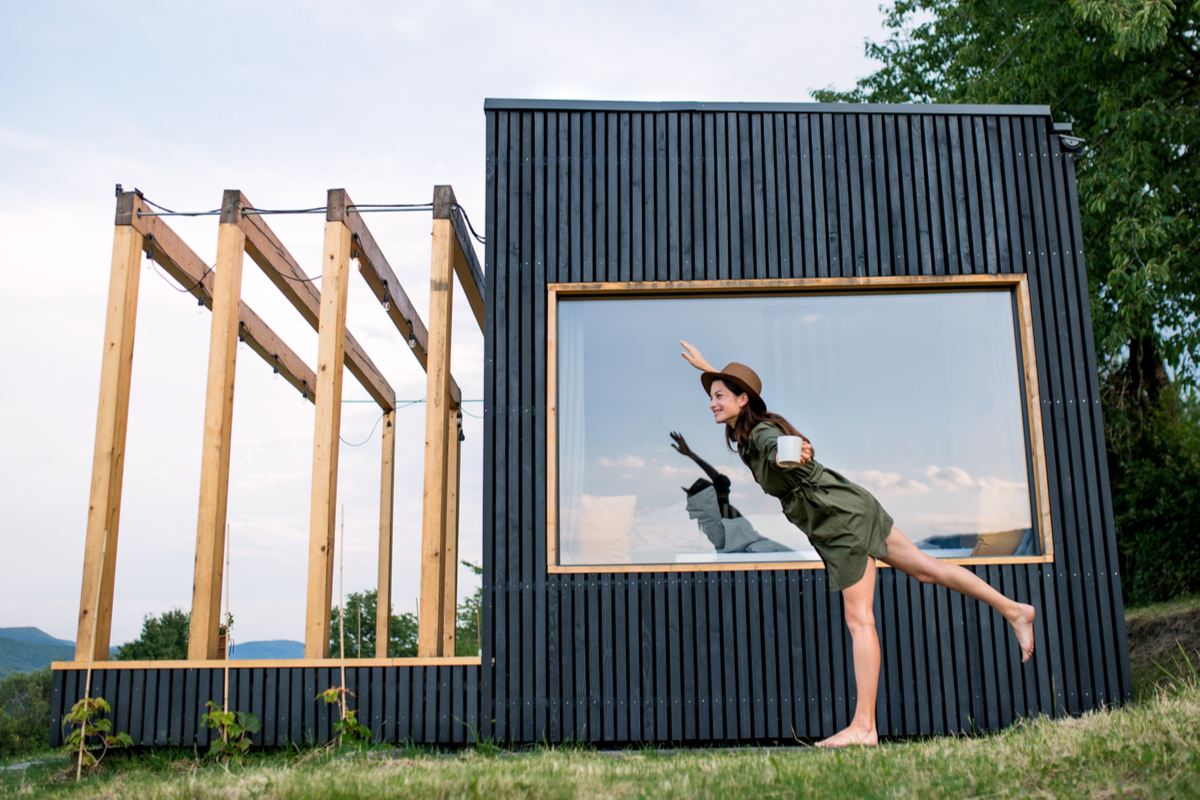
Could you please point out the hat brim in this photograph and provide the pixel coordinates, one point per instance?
(707, 378)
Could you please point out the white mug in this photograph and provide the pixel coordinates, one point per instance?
(788, 452)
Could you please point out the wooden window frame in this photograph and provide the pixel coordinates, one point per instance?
(1018, 284)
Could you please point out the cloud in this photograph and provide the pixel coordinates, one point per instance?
(1000, 485)
(887, 482)
(951, 479)
(623, 461)
(667, 471)
(741, 477)
(955, 479)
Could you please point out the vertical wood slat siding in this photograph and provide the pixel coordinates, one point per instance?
(161, 707)
(585, 195)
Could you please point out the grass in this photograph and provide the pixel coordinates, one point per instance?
(1149, 748)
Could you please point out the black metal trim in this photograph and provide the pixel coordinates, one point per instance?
(532, 104)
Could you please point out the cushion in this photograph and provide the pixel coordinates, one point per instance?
(1001, 543)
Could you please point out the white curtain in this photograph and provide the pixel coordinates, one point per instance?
(570, 435)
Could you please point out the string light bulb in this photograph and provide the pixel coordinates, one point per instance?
(387, 302)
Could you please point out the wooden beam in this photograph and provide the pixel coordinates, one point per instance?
(271, 663)
(335, 279)
(108, 457)
(387, 480)
(382, 281)
(433, 523)
(182, 264)
(466, 264)
(265, 249)
(218, 427)
(450, 538)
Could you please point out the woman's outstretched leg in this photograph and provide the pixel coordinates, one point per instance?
(907, 557)
(859, 602)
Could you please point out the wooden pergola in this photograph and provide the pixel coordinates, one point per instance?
(243, 230)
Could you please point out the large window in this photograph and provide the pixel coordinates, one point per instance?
(922, 391)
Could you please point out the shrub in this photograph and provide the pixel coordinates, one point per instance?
(25, 712)
(1155, 475)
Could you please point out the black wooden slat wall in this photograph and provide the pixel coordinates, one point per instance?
(159, 707)
(638, 192)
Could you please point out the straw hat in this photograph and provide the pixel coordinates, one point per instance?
(741, 375)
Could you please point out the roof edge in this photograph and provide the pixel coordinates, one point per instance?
(517, 104)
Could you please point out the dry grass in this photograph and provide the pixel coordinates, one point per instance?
(1163, 639)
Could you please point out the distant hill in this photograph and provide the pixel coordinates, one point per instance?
(274, 648)
(33, 635)
(19, 655)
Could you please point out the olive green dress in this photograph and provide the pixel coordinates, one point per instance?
(844, 522)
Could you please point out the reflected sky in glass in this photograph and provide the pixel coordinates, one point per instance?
(915, 396)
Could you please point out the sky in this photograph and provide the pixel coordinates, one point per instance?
(284, 101)
(914, 396)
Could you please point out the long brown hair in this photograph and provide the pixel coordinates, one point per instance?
(752, 414)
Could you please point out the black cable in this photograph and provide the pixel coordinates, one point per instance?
(285, 275)
(393, 206)
(196, 285)
(166, 210)
(248, 210)
(150, 202)
(470, 227)
(376, 425)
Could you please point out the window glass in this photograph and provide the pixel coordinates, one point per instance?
(915, 396)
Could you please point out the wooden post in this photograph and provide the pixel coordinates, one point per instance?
(383, 597)
(437, 430)
(331, 330)
(450, 541)
(108, 458)
(204, 629)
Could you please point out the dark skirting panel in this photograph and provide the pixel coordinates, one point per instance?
(581, 192)
(437, 704)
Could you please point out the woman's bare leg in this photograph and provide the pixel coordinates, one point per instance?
(859, 602)
(907, 557)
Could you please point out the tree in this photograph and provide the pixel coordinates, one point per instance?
(360, 629)
(469, 623)
(360, 626)
(25, 712)
(163, 638)
(1126, 74)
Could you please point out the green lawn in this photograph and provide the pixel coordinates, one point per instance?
(1150, 748)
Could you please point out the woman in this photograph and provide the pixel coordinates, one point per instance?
(846, 525)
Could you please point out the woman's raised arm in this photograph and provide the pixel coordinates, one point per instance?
(693, 357)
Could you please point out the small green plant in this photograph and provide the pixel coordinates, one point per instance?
(347, 727)
(234, 729)
(92, 734)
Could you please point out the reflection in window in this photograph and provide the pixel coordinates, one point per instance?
(915, 395)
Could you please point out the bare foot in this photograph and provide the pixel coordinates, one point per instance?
(1022, 623)
(851, 735)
